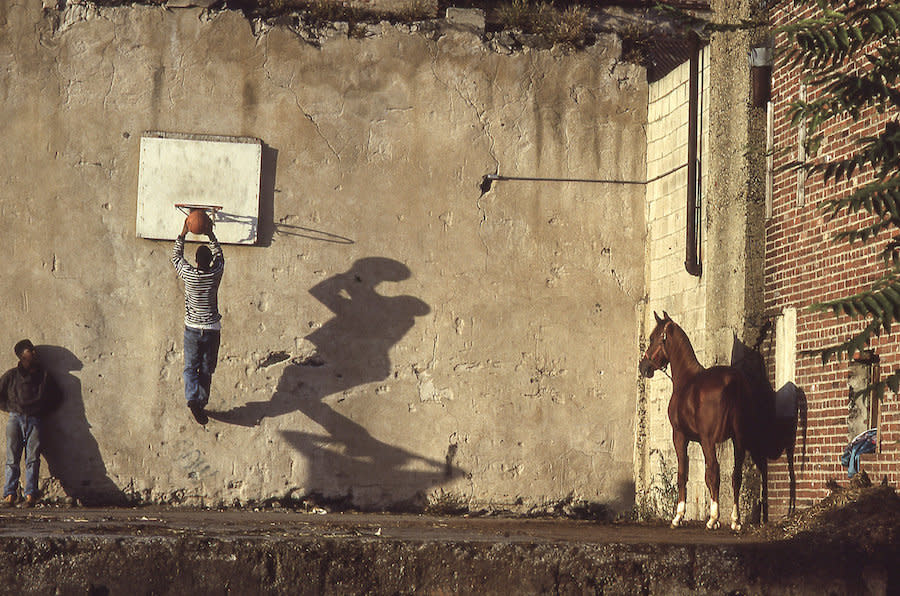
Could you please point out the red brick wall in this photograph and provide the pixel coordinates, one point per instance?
(804, 266)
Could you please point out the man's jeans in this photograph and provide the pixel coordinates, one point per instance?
(201, 350)
(22, 432)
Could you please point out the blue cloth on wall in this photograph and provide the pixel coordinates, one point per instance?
(864, 442)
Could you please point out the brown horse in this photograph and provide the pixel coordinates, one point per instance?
(709, 406)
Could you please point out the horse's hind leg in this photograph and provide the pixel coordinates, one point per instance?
(681, 453)
(712, 482)
(763, 464)
(736, 478)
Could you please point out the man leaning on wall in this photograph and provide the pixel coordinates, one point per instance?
(29, 393)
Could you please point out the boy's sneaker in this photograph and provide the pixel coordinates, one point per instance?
(198, 412)
(8, 501)
(29, 502)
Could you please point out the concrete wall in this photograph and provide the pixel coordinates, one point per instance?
(396, 333)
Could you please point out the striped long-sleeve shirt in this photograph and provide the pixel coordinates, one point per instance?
(201, 288)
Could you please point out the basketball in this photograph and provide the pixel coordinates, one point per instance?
(198, 221)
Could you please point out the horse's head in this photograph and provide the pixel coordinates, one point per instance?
(656, 356)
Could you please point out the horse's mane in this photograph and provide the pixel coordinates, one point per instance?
(681, 350)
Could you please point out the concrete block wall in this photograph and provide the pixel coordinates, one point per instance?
(671, 288)
(722, 305)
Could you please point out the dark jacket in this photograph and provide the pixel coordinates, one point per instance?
(32, 393)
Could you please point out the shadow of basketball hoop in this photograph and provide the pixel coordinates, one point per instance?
(301, 232)
(246, 222)
(265, 227)
(251, 225)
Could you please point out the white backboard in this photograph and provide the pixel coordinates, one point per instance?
(199, 169)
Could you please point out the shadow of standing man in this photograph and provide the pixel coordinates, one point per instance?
(70, 449)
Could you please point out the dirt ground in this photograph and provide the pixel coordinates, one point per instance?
(846, 544)
(863, 515)
(157, 521)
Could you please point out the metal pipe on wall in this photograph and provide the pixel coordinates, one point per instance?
(692, 257)
(761, 59)
(488, 180)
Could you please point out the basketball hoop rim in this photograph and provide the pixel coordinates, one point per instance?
(186, 208)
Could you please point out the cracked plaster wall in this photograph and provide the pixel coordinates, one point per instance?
(402, 333)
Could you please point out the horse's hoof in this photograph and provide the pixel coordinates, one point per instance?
(676, 523)
(735, 527)
(712, 524)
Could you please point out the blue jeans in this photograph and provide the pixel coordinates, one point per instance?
(201, 350)
(22, 432)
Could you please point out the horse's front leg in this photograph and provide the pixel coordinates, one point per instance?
(681, 442)
(712, 482)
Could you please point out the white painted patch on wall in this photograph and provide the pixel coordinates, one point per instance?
(199, 169)
(428, 392)
(785, 346)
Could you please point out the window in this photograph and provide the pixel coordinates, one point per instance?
(801, 154)
(862, 410)
(770, 157)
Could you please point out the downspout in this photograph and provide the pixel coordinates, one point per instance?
(692, 258)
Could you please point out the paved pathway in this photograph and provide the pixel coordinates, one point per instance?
(155, 521)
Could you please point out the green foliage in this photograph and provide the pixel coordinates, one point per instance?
(569, 26)
(661, 496)
(864, 34)
(444, 503)
(573, 26)
(530, 17)
(849, 53)
(328, 11)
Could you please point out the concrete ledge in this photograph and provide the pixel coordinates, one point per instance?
(467, 18)
(141, 552)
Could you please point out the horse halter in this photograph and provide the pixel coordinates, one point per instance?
(661, 347)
